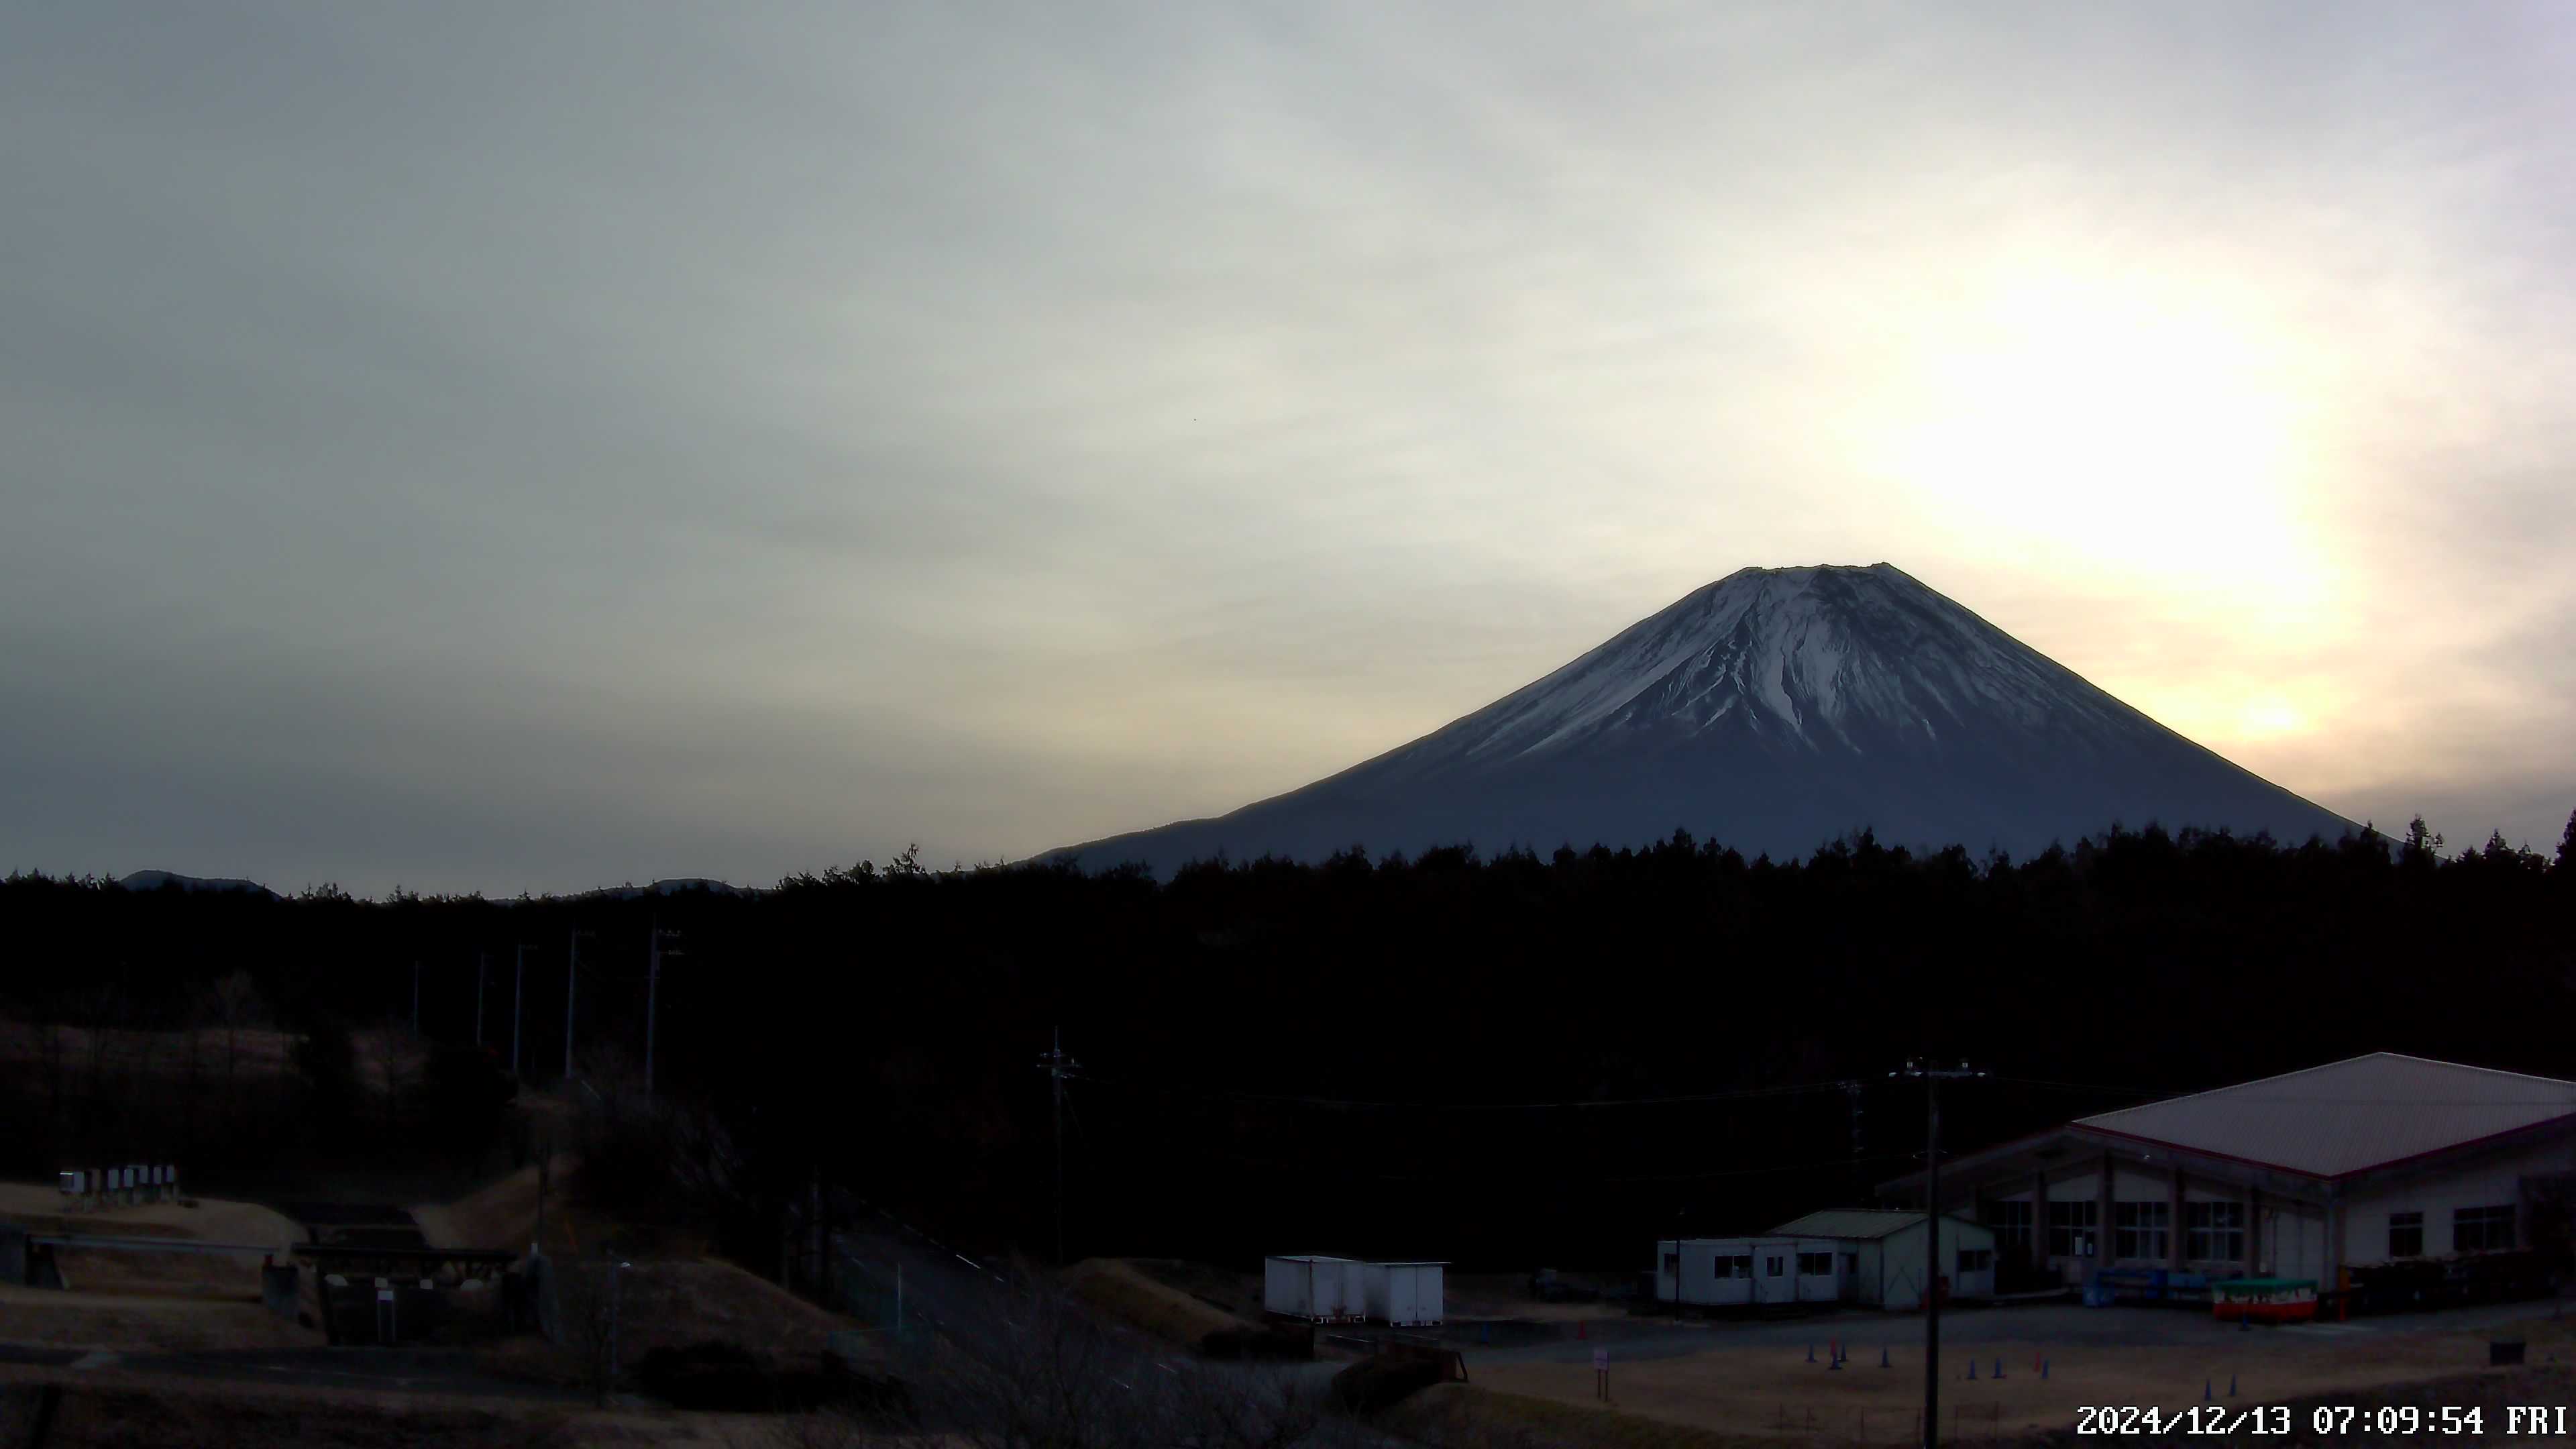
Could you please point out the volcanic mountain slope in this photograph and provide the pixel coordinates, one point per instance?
(1773, 710)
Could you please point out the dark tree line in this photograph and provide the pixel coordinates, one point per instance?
(1508, 1060)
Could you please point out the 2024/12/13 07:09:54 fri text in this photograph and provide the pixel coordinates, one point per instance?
(2391, 1420)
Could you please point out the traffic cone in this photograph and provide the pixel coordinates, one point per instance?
(1579, 1327)
(2231, 1386)
(1972, 1370)
(1999, 1366)
(1811, 1353)
(2043, 1368)
(2205, 1394)
(1882, 1357)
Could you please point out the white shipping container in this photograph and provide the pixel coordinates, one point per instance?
(1317, 1289)
(1407, 1295)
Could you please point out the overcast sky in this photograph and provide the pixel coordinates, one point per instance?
(528, 446)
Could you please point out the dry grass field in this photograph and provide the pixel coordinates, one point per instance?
(135, 1322)
(117, 1408)
(133, 1300)
(1772, 1392)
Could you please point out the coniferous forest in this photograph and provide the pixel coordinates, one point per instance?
(1503, 1060)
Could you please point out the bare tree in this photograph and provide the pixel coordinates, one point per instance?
(389, 1051)
(237, 1004)
(50, 1040)
(585, 1301)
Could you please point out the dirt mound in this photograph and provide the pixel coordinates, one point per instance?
(501, 1216)
(1123, 1290)
(674, 1305)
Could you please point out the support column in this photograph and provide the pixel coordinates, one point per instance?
(2103, 1238)
(2039, 1219)
(2253, 1232)
(2173, 1213)
(2331, 1279)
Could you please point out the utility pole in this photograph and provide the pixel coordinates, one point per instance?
(652, 996)
(482, 959)
(572, 960)
(1932, 1077)
(1851, 1112)
(1057, 1066)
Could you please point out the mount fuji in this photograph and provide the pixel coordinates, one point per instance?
(1771, 711)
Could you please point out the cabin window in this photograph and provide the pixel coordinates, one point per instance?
(2214, 1232)
(2481, 1229)
(1816, 1265)
(2406, 1235)
(2011, 1222)
(2072, 1226)
(1673, 1264)
(1773, 1265)
(2145, 1230)
(1738, 1266)
(1976, 1260)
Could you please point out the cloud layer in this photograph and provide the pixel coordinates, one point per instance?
(479, 447)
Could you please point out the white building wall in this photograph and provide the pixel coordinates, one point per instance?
(2494, 1182)
(1898, 1277)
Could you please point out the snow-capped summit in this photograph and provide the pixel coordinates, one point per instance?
(1772, 710)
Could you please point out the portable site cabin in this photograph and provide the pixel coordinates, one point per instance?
(1316, 1289)
(1882, 1254)
(1746, 1272)
(1406, 1295)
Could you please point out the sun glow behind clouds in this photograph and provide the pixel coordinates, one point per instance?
(2115, 425)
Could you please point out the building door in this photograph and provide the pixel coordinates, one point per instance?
(1774, 1273)
(1850, 1278)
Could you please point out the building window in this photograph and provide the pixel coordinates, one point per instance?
(2481, 1229)
(2214, 1232)
(2011, 1222)
(2072, 1227)
(1976, 1260)
(1815, 1265)
(2406, 1235)
(2144, 1230)
(1743, 1265)
(1773, 1264)
(1673, 1264)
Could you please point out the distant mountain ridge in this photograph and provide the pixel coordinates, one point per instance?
(1772, 711)
(153, 880)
